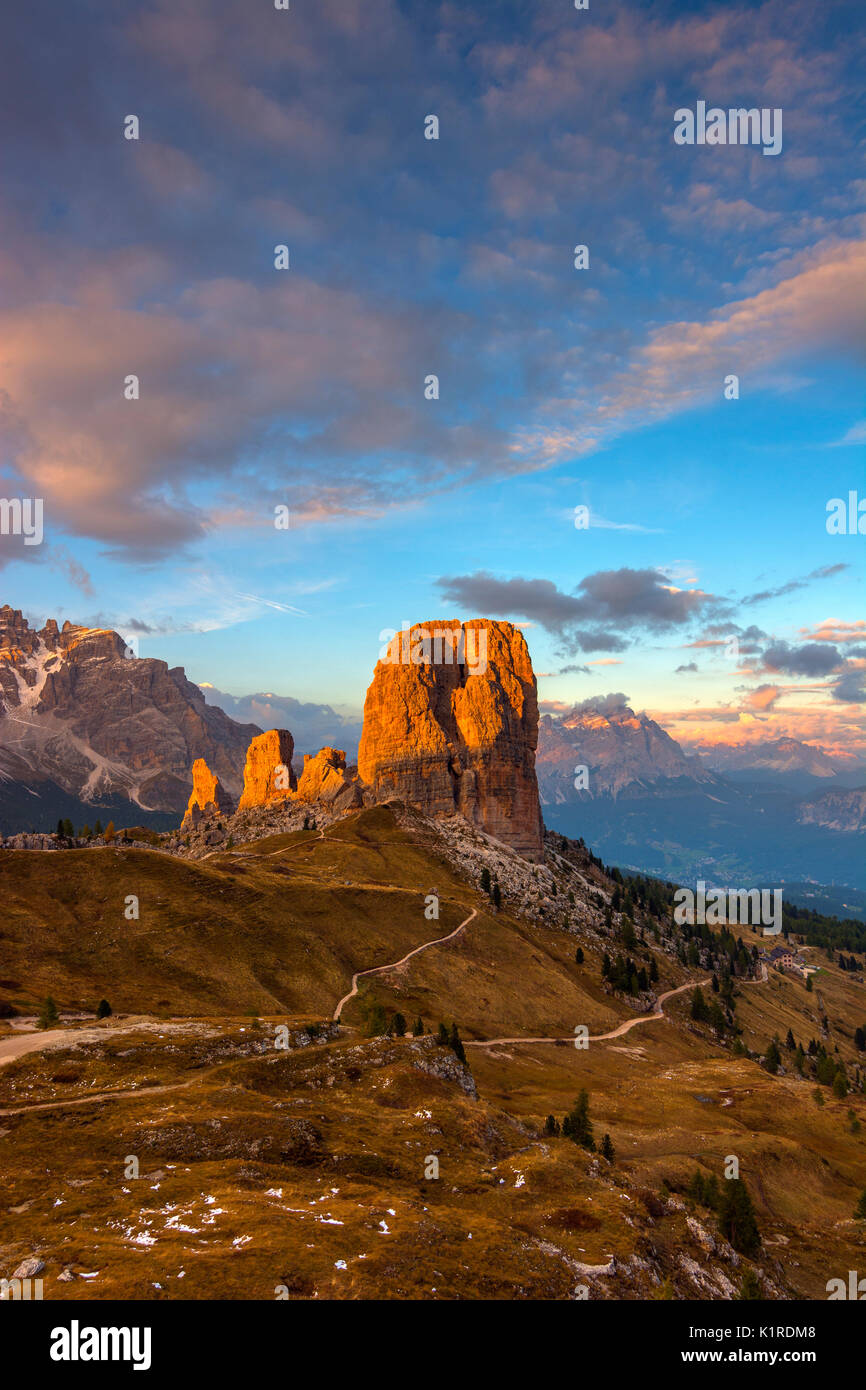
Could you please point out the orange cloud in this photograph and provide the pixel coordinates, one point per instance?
(835, 631)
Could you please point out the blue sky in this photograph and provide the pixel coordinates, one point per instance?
(600, 387)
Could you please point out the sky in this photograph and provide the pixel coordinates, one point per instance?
(602, 388)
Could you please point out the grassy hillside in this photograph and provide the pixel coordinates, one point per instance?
(262, 1167)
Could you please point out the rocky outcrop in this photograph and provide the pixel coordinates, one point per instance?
(451, 725)
(82, 715)
(209, 798)
(326, 779)
(268, 775)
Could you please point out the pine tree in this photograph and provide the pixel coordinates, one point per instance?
(654, 972)
(442, 1035)
(97, 829)
(418, 1027)
(772, 1057)
(455, 1044)
(48, 1013)
(103, 1009)
(737, 1220)
(789, 1041)
(485, 880)
(695, 1189)
(377, 1023)
(579, 1123)
(68, 829)
(497, 895)
(607, 1149)
(109, 833)
(860, 1209)
(700, 1012)
(551, 1126)
(398, 1026)
(60, 830)
(578, 956)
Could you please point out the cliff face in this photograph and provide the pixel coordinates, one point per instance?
(451, 725)
(268, 775)
(78, 710)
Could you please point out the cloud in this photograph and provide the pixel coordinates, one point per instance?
(834, 630)
(612, 703)
(690, 666)
(825, 572)
(762, 698)
(818, 659)
(855, 435)
(589, 618)
(683, 364)
(851, 688)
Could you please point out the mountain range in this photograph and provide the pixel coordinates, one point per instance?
(89, 730)
(760, 813)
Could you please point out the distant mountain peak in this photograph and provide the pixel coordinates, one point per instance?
(82, 717)
(621, 749)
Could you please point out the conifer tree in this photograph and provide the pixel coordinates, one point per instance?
(455, 1044)
(737, 1220)
(48, 1013)
(579, 1124)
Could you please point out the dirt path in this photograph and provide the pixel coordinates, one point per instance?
(599, 1037)
(380, 969)
(102, 1095)
(10, 1048)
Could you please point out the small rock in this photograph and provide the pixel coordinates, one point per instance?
(28, 1269)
